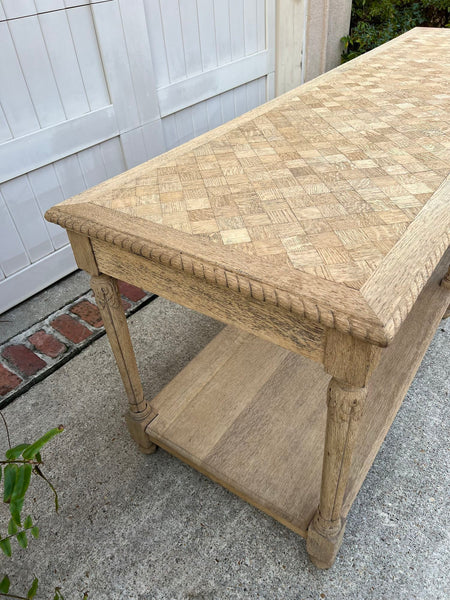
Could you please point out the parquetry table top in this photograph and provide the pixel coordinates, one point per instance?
(331, 201)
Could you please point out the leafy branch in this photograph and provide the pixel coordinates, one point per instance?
(20, 463)
(375, 22)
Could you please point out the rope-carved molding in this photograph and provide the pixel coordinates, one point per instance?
(305, 308)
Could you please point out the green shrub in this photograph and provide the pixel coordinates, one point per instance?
(377, 21)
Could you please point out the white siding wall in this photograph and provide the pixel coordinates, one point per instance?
(88, 89)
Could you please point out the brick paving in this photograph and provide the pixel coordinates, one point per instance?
(23, 359)
(47, 343)
(71, 329)
(33, 354)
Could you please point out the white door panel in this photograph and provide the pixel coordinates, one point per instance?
(96, 87)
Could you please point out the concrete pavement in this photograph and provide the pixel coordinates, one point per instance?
(135, 527)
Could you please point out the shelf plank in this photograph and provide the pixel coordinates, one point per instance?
(246, 424)
(251, 415)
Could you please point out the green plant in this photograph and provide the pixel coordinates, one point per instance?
(21, 462)
(374, 22)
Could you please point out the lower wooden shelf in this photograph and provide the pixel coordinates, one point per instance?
(251, 415)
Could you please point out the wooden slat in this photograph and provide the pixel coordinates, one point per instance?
(110, 35)
(263, 439)
(48, 5)
(157, 43)
(14, 256)
(15, 97)
(63, 58)
(35, 277)
(70, 176)
(191, 37)
(153, 134)
(207, 34)
(113, 157)
(213, 112)
(18, 8)
(5, 132)
(173, 38)
(92, 166)
(48, 145)
(259, 448)
(37, 70)
(261, 20)
(28, 219)
(88, 56)
(237, 33)
(47, 190)
(185, 126)
(140, 58)
(222, 30)
(134, 147)
(251, 26)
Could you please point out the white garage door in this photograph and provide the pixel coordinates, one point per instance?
(88, 89)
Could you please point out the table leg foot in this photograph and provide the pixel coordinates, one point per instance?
(324, 540)
(137, 423)
(447, 313)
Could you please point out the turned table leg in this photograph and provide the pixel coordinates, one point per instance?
(351, 362)
(110, 306)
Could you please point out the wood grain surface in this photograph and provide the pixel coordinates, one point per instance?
(321, 200)
(252, 416)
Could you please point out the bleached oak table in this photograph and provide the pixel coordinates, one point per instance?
(317, 227)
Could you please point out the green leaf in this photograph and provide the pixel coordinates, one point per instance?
(22, 539)
(14, 453)
(5, 546)
(28, 523)
(10, 480)
(12, 527)
(4, 585)
(33, 589)
(32, 450)
(35, 531)
(15, 508)
(22, 482)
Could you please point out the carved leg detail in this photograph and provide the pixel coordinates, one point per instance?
(326, 530)
(110, 306)
(447, 313)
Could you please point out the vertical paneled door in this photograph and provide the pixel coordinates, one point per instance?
(91, 88)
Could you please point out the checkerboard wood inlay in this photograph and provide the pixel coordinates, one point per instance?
(326, 179)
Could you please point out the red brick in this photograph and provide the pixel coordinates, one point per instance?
(46, 343)
(131, 292)
(73, 330)
(26, 361)
(8, 381)
(88, 312)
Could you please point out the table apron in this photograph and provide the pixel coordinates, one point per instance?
(268, 322)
